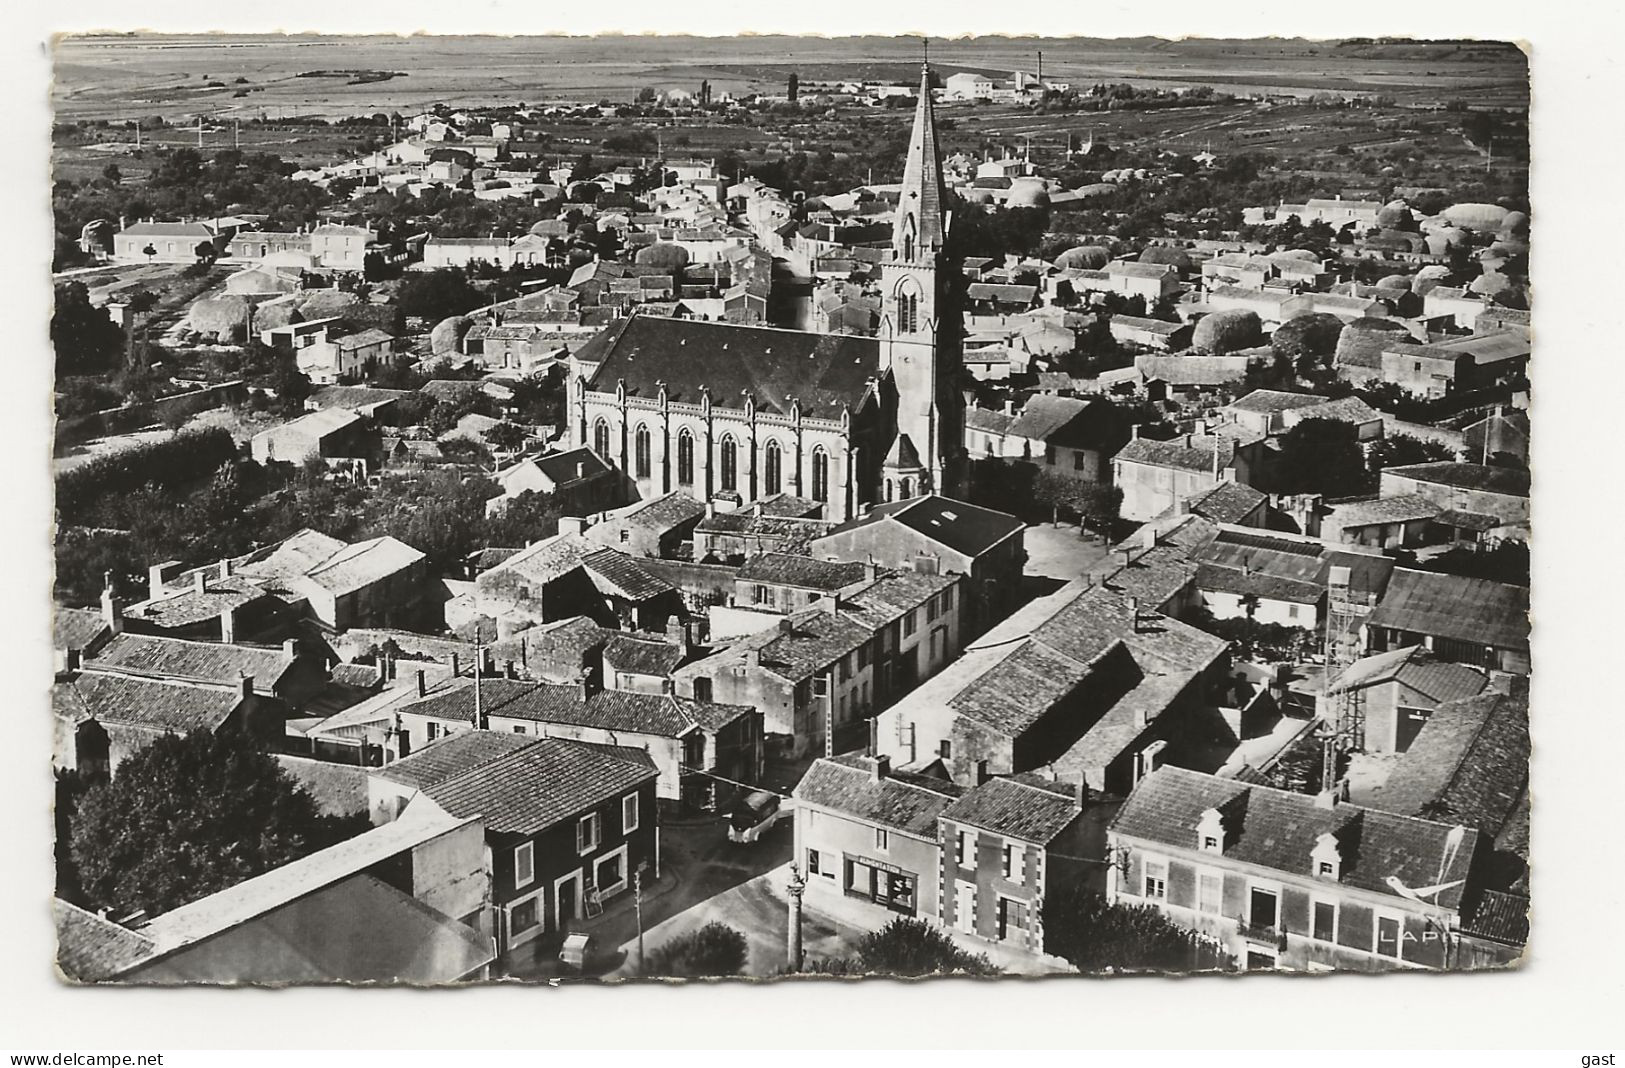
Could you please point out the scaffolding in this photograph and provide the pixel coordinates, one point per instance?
(1344, 727)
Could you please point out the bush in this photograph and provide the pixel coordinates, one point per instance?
(1096, 935)
(908, 948)
(713, 951)
(177, 461)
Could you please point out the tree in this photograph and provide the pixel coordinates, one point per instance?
(85, 338)
(793, 87)
(505, 436)
(910, 947)
(1397, 450)
(189, 816)
(1321, 456)
(1309, 340)
(437, 295)
(713, 951)
(205, 252)
(1094, 935)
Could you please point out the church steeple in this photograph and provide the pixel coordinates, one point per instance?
(921, 228)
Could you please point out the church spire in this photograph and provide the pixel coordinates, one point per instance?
(920, 228)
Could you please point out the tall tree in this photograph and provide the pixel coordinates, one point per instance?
(1321, 456)
(86, 339)
(189, 816)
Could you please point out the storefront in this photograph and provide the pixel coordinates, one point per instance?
(883, 884)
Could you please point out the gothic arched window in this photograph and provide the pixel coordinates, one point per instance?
(730, 463)
(905, 490)
(685, 458)
(820, 474)
(600, 440)
(771, 469)
(640, 452)
(889, 491)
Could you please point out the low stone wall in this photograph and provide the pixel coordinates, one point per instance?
(79, 429)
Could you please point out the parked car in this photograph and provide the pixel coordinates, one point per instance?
(752, 815)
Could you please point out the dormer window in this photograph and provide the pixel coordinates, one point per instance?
(1210, 832)
(1326, 860)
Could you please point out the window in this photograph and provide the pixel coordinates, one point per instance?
(948, 599)
(685, 458)
(1262, 905)
(1049, 455)
(519, 728)
(1210, 843)
(730, 463)
(1328, 868)
(1209, 892)
(433, 731)
(587, 837)
(863, 656)
(820, 686)
(523, 916)
(629, 813)
(1078, 461)
(945, 749)
(702, 688)
(931, 610)
(771, 468)
(911, 622)
(609, 873)
(1389, 932)
(1156, 879)
(1325, 921)
(1015, 863)
(524, 865)
(600, 439)
(640, 452)
(820, 474)
(880, 838)
(965, 849)
(812, 862)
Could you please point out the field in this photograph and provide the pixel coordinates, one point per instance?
(220, 77)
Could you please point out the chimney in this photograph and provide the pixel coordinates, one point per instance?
(74, 658)
(228, 625)
(874, 737)
(290, 647)
(112, 614)
(753, 658)
(785, 626)
(225, 567)
(870, 571)
(200, 580)
(1134, 613)
(248, 686)
(879, 767)
(1134, 432)
(456, 665)
(584, 686)
(488, 663)
(158, 575)
(423, 686)
(677, 634)
(382, 666)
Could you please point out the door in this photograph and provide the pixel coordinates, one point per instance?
(569, 899)
(965, 907)
(1262, 908)
(1408, 727)
(1003, 926)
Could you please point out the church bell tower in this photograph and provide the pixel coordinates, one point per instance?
(920, 324)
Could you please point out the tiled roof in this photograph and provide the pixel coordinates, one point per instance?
(1416, 668)
(1453, 606)
(1499, 917)
(988, 420)
(614, 572)
(1462, 520)
(141, 654)
(360, 565)
(1196, 455)
(1138, 270)
(1228, 502)
(1278, 830)
(892, 595)
(180, 606)
(1215, 579)
(665, 715)
(1405, 508)
(149, 704)
(799, 647)
(1504, 480)
(570, 465)
(536, 786)
(666, 512)
(1275, 400)
(897, 801)
(824, 372)
(90, 949)
(1191, 370)
(803, 572)
(964, 528)
(640, 656)
(1344, 410)
(1025, 806)
(450, 756)
(1066, 421)
(1469, 764)
(549, 559)
(76, 628)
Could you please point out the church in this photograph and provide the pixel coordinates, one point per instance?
(733, 414)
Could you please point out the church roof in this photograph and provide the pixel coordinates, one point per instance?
(902, 456)
(822, 372)
(924, 193)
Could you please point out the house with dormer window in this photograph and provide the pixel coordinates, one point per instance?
(1302, 882)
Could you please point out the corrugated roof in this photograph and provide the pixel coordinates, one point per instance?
(1473, 610)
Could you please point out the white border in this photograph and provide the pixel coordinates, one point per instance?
(1563, 995)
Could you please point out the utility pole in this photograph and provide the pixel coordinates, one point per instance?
(796, 887)
(479, 664)
(200, 132)
(637, 908)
